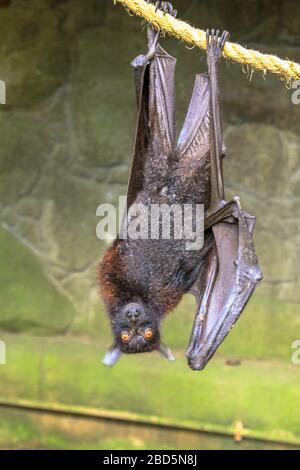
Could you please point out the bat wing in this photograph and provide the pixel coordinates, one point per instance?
(193, 142)
(230, 272)
(225, 284)
(155, 133)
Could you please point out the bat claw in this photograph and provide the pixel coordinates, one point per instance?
(168, 8)
(216, 42)
(165, 7)
(236, 199)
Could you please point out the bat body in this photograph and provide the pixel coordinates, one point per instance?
(143, 279)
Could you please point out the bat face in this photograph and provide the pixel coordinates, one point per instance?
(134, 319)
(135, 316)
(136, 298)
(135, 329)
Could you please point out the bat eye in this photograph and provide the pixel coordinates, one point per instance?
(148, 334)
(125, 337)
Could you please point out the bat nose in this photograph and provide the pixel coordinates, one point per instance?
(133, 312)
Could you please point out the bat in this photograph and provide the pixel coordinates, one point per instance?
(141, 280)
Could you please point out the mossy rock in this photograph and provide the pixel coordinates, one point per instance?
(24, 146)
(28, 301)
(262, 168)
(34, 56)
(103, 106)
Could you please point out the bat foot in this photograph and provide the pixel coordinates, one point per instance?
(165, 7)
(215, 41)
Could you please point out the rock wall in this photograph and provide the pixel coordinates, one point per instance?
(67, 134)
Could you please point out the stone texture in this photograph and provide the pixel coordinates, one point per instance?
(28, 300)
(33, 56)
(103, 114)
(24, 146)
(264, 100)
(262, 167)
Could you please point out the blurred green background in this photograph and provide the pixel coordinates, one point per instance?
(67, 133)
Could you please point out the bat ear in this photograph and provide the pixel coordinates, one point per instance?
(166, 352)
(111, 356)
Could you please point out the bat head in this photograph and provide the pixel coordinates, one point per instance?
(135, 330)
(135, 316)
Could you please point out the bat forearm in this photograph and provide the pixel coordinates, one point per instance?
(215, 46)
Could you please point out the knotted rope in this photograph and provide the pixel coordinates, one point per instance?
(284, 69)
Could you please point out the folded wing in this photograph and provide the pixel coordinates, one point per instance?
(155, 133)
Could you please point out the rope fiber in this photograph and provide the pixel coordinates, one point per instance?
(284, 69)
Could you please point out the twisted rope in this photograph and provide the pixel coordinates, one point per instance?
(284, 69)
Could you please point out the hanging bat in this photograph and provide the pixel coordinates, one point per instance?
(141, 280)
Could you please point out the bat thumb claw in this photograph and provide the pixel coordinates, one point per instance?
(166, 352)
(111, 356)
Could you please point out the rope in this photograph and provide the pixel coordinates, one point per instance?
(284, 69)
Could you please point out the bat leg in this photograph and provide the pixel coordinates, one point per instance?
(152, 43)
(155, 131)
(153, 36)
(215, 45)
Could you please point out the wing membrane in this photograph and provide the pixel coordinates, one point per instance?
(232, 273)
(155, 133)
